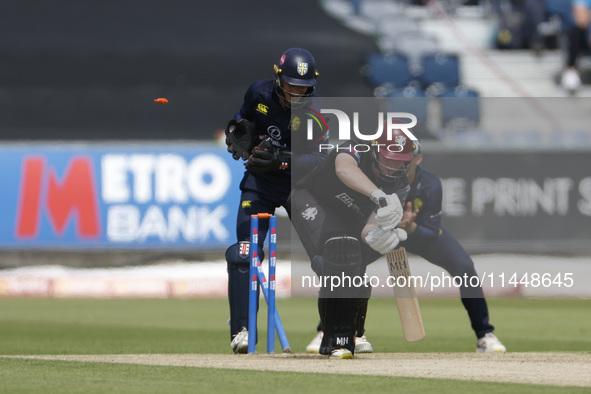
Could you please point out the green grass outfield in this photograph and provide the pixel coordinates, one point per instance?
(124, 326)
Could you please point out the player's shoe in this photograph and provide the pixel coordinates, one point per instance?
(342, 354)
(362, 345)
(240, 342)
(314, 346)
(489, 343)
(570, 80)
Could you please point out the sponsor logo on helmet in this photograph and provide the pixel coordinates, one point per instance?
(302, 68)
(400, 140)
(262, 108)
(282, 60)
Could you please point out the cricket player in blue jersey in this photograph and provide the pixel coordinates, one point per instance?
(268, 134)
(428, 239)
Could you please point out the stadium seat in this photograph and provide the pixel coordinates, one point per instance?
(412, 100)
(460, 108)
(414, 45)
(389, 68)
(441, 69)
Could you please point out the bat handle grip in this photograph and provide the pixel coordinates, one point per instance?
(382, 202)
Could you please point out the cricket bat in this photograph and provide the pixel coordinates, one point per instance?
(406, 299)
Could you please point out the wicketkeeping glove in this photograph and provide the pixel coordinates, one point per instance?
(267, 158)
(390, 212)
(383, 241)
(241, 137)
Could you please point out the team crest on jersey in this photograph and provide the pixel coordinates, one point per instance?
(417, 203)
(295, 123)
(302, 68)
(310, 213)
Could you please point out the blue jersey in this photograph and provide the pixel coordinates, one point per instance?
(287, 130)
(439, 247)
(425, 195)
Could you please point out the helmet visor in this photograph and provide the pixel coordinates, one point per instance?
(402, 156)
(310, 82)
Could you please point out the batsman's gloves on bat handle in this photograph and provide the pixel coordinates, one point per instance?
(267, 158)
(383, 241)
(390, 210)
(241, 137)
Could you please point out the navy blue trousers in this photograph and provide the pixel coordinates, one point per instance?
(257, 196)
(447, 253)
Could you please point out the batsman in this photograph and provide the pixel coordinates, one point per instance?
(427, 238)
(346, 212)
(260, 134)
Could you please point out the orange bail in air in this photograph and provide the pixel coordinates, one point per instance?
(161, 100)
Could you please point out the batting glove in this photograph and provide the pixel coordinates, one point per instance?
(383, 241)
(390, 212)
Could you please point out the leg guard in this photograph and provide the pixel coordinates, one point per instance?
(360, 314)
(238, 259)
(361, 308)
(341, 259)
(341, 267)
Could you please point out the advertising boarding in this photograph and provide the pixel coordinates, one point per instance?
(109, 196)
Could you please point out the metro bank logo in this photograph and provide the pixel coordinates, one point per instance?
(175, 197)
(72, 197)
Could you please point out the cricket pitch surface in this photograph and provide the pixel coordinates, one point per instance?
(558, 369)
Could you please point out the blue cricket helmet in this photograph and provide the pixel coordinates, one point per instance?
(297, 67)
